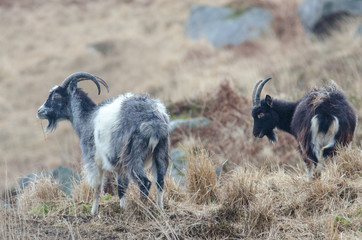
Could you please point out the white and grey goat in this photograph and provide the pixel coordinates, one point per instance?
(125, 135)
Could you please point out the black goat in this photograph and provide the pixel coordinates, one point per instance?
(319, 121)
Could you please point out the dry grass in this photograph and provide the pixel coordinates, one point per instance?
(201, 180)
(262, 192)
(238, 192)
(39, 196)
(82, 192)
(348, 163)
(248, 202)
(149, 53)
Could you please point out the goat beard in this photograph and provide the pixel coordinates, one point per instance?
(52, 125)
(272, 137)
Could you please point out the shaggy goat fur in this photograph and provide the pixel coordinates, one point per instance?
(125, 135)
(319, 121)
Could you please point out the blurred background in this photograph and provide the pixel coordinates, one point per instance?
(173, 50)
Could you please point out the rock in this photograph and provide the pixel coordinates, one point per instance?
(105, 48)
(64, 176)
(223, 26)
(9, 197)
(30, 178)
(358, 31)
(320, 16)
(190, 123)
(178, 166)
(5, 204)
(218, 170)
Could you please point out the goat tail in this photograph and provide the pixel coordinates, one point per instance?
(154, 131)
(324, 128)
(325, 123)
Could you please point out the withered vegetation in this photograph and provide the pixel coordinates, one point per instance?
(261, 191)
(261, 197)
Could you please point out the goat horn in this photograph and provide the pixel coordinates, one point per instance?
(254, 91)
(82, 76)
(258, 92)
(98, 79)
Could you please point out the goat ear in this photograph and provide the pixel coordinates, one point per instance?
(268, 100)
(72, 87)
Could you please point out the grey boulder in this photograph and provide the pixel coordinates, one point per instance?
(189, 123)
(64, 176)
(223, 26)
(320, 16)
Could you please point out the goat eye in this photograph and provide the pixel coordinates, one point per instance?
(57, 96)
(261, 115)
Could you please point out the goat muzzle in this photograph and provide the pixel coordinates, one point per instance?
(41, 113)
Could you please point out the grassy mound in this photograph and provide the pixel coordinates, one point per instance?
(247, 202)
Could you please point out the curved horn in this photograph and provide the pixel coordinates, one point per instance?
(257, 95)
(99, 80)
(254, 92)
(82, 76)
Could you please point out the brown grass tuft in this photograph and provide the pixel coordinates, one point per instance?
(201, 179)
(252, 203)
(238, 192)
(348, 162)
(82, 192)
(279, 205)
(174, 192)
(324, 196)
(40, 196)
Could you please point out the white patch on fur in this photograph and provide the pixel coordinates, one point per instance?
(153, 143)
(123, 202)
(148, 163)
(161, 111)
(159, 192)
(94, 174)
(55, 87)
(147, 130)
(95, 179)
(160, 198)
(41, 108)
(160, 106)
(321, 140)
(97, 193)
(309, 174)
(104, 125)
(355, 129)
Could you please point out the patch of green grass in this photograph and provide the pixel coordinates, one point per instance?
(358, 213)
(238, 10)
(342, 220)
(43, 208)
(184, 116)
(107, 196)
(186, 109)
(86, 208)
(115, 208)
(69, 209)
